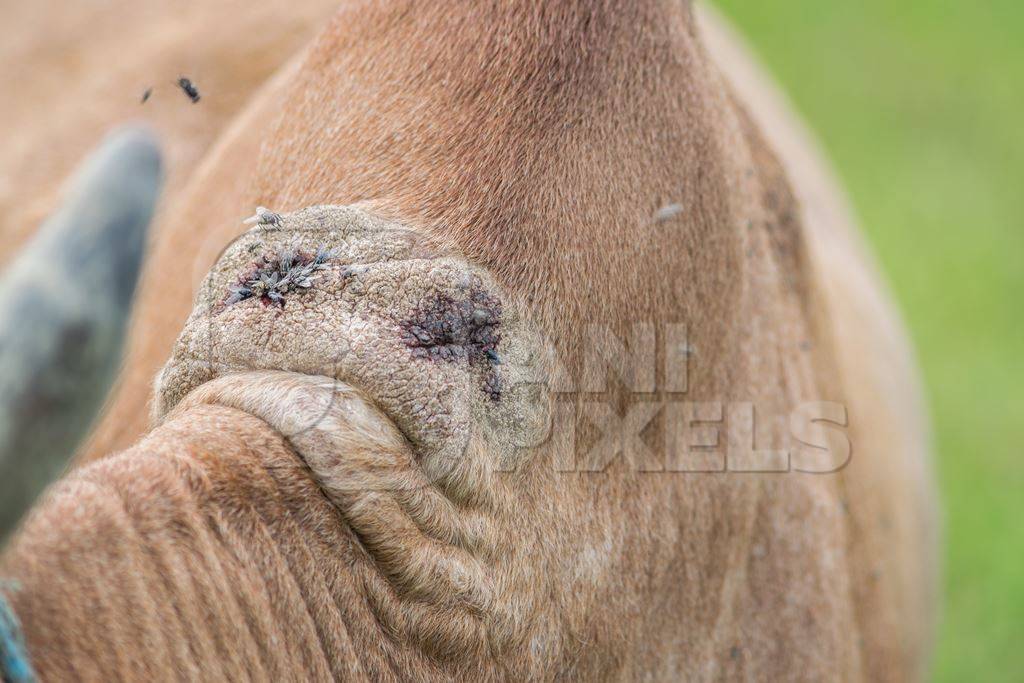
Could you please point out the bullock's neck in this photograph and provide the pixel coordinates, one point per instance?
(542, 139)
(206, 551)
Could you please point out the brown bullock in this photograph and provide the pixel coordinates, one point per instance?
(397, 457)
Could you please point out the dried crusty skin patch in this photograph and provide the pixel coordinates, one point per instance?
(338, 292)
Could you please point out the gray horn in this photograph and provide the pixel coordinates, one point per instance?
(64, 303)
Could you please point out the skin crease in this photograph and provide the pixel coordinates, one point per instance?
(541, 148)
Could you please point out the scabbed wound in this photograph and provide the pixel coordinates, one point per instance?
(336, 291)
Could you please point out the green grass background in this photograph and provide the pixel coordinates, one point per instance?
(920, 104)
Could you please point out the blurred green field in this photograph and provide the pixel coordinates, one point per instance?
(920, 104)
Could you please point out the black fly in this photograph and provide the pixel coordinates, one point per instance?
(145, 95)
(189, 88)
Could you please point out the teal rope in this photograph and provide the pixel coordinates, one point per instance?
(14, 666)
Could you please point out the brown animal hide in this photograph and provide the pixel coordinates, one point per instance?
(585, 197)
